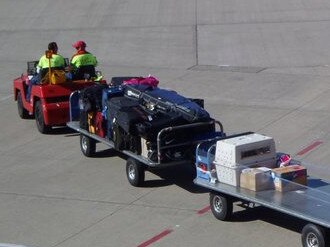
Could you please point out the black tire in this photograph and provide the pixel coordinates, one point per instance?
(135, 172)
(221, 206)
(87, 145)
(23, 113)
(313, 236)
(39, 116)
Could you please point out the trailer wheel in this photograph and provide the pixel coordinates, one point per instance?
(87, 145)
(23, 113)
(135, 172)
(221, 206)
(39, 116)
(313, 236)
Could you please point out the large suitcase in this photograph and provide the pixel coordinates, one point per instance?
(110, 92)
(150, 128)
(168, 100)
(125, 112)
(163, 100)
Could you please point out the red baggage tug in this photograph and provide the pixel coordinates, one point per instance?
(49, 103)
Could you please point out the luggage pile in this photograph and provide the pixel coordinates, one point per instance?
(133, 110)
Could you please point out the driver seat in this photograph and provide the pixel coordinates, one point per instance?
(84, 71)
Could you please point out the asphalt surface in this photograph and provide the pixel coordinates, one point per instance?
(261, 66)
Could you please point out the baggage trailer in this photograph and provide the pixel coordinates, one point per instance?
(309, 202)
(137, 163)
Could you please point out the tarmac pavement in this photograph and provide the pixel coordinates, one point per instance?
(261, 66)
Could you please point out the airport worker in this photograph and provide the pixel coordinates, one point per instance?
(56, 62)
(83, 63)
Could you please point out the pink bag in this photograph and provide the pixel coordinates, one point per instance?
(148, 81)
(284, 160)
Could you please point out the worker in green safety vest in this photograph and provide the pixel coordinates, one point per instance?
(56, 61)
(83, 63)
(53, 60)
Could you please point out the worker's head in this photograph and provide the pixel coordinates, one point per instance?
(52, 46)
(79, 45)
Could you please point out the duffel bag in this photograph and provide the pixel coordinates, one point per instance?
(149, 81)
(91, 97)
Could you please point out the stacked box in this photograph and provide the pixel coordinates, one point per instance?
(288, 178)
(256, 179)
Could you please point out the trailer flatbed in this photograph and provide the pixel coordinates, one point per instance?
(310, 203)
(75, 126)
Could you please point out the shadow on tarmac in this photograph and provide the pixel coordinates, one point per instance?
(181, 175)
(270, 216)
(63, 130)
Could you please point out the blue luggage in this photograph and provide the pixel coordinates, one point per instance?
(110, 92)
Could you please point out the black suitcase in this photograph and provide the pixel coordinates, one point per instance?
(125, 112)
(149, 129)
(128, 117)
(114, 105)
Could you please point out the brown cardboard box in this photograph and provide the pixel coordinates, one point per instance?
(256, 179)
(288, 178)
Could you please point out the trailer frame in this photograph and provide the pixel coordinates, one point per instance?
(310, 203)
(136, 164)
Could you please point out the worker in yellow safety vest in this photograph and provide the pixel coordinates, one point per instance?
(83, 63)
(54, 61)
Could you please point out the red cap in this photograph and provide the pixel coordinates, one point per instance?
(79, 43)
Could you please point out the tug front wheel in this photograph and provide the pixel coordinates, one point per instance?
(40, 121)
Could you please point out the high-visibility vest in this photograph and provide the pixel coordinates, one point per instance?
(83, 59)
(55, 61)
